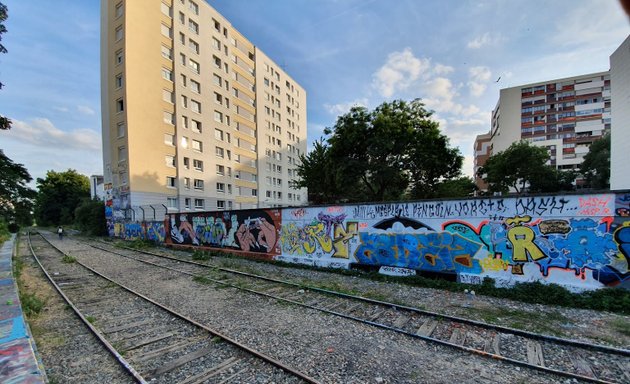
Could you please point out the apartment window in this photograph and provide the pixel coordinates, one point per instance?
(196, 126)
(166, 31)
(120, 105)
(170, 181)
(221, 187)
(219, 151)
(182, 59)
(229, 171)
(198, 165)
(119, 57)
(119, 81)
(183, 79)
(216, 44)
(217, 25)
(195, 86)
(119, 10)
(218, 134)
(220, 204)
(254, 192)
(182, 18)
(119, 33)
(166, 10)
(167, 74)
(229, 188)
(217, 62)
(197, 145)
(168, 96)
(216, 79)
(187, 182)
(193, 26)
(198, 184)
(182, 38)
(121, 129)
(170, 161)
(218, 98)
(187, 203)
(194, 65)
(220, 170)
(193, 7)
(185, 122)
(192, 44)
(195, 106)
(187, 162)
(184, 101)
(171, 202)
(122, 154)
(199, 203)
(218, 116)
(268, 194)
(184, 142)
(167, 53)
(169, 139)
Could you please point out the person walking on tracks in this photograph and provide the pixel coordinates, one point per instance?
(60, 232)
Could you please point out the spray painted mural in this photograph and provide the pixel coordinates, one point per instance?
(579, 241)
(246, 230)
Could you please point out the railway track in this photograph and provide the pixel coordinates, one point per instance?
(564, 357)
(152, 342)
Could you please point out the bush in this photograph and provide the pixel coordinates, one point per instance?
(90, 218)
(13, 228)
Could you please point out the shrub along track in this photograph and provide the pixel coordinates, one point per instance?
(565, 357)
(153, 342)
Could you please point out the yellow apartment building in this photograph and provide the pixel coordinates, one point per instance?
(194, 116)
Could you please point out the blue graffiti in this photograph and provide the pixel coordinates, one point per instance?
(436, 252)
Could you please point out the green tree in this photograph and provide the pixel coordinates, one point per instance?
(385, 154)
(15, 196)
(90, 218)
(523, 167)
(596, 164)
(459, 187)
(58, 195)
(5, 123)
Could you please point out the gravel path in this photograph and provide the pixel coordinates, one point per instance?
(332, 350)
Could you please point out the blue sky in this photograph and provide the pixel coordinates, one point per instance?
(343, 52)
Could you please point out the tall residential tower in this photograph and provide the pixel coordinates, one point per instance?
(194, 116)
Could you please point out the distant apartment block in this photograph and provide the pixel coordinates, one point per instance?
(566, 116)
(194, 116)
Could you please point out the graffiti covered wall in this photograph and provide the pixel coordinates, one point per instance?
(579, 241)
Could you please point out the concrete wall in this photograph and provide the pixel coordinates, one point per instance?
(579, 241)
(620, 108)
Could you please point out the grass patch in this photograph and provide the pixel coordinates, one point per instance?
(90, 319)
(200, 255)
(216, 340)
(31, 304)
(68, 259)
(136, 244)
(622, 326)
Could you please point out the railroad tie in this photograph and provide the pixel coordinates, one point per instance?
(140, 358)
(582, 366)
(179, 362)
(427, 328)
(212, 371)
(401, 321)
(492, 344)
(148, 341)
(127, 326)
(228, 379)
(535, 353)
(457, 337)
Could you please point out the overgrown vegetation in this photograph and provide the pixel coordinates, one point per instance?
(31, 304)
(68, 259)
(90, 218)
(139, 244)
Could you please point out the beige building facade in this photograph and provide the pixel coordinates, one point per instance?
(194, 116)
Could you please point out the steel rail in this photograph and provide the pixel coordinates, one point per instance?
(519, 332)
(393, 329)
(119, 358)
(214, 332)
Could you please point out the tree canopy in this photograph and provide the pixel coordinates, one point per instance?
(5, 123)
(596, 165)
(58, 196)
(392, 152)
(523, 167)
(15, 195)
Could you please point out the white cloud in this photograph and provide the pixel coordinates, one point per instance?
(400, 71)
(484, 40)
(478, 77)
(84, 109)
(341, 108)
(441, 69)
(61, 109)
(42, 132)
